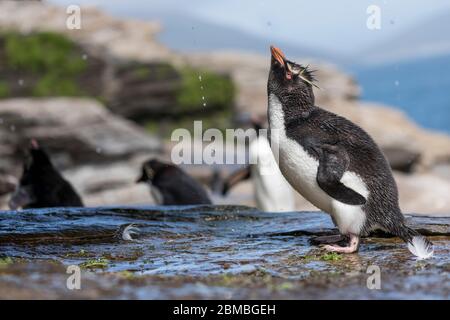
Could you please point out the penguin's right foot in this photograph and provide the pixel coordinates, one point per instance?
(352, 247)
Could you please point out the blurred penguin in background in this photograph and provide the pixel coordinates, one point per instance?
(170, 185)
(41, 185)
(271, 191)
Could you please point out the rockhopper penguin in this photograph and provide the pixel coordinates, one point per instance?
(332, 162)
(272, 192)
(170, 185)
(41, 185)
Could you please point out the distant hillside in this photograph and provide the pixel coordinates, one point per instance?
(425, 39)
(187, 33)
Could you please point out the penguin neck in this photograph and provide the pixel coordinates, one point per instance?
(286, 108)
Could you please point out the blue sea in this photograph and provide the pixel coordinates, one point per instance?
(421, 88)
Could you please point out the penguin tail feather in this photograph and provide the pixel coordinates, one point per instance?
(418, 245)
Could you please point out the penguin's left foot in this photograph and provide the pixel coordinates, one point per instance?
(352, 247)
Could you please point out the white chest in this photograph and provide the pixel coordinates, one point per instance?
(272, 192)
(300, 170)
(298, 167)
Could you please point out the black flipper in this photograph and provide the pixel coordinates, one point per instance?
(333, 162)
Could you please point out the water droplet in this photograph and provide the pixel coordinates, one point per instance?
(204, 104)
(200, 78)
(21, 82)
(84, 56)
(201, 87)
(203, 97)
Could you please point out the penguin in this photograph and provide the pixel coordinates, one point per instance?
(272, 191)
(332, 162)
(170, 185)
(41, 185)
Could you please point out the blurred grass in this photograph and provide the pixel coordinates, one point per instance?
(50, 64)
(218, 90)
(51, 57)
(203, 95)
(4, 89)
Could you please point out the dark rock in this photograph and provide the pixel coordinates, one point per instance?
(7, 184)
(402, 159)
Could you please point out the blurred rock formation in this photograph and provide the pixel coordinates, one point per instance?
(100, 151)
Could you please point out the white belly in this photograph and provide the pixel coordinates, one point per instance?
(300, 170)
(272, 192)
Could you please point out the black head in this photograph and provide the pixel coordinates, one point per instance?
(150, 169)
(289, 80)
(36, 164)
(37, 171)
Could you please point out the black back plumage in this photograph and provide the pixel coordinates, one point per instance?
(48, 187)
(175, 186)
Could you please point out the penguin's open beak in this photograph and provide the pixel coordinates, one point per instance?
(278, 55)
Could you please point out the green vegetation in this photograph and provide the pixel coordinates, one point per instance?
(128, 275)
(4, 89)
(218, 90)
(6, 261)
(141, 72)
(315, 256)
(331, 256)
(203, 95)
(52, 85)
(50, 57)
(80, 254)
(50, 64)
(99, 263)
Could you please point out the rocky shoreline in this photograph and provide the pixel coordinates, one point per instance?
(208, 252)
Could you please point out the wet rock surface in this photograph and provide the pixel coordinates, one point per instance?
(222, 252)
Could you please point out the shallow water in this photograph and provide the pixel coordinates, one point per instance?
(207, 252)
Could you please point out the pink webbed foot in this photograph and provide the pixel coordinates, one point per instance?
(352, 247)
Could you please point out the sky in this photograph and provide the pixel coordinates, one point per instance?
(337, 26)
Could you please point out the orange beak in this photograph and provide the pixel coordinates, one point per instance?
(277, 54)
